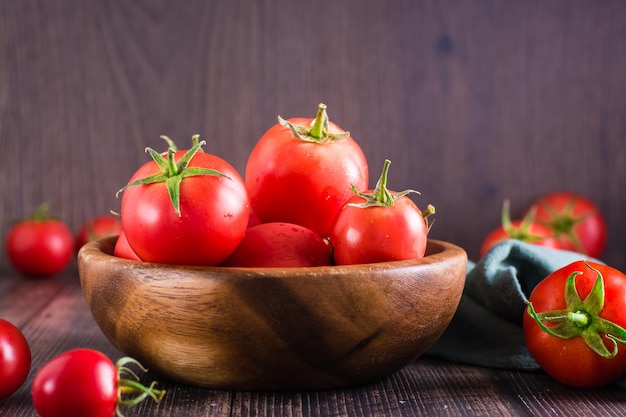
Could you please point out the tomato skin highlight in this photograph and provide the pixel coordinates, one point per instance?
(304, 183)
(577, 221)
(571, 361)
(76, 383)
(40, 248)
(15, 358)
(378, 234)
(213, 220)
(280, 244)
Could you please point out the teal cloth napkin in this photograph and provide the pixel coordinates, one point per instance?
(487, 327)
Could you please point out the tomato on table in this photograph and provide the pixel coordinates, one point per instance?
(187, 207)
(300, 171)
(15, 358)
(577, 222)
(85, 383)
(379, 225)
(525, 230)
(41, 245)
(280, 244)
(575, 324)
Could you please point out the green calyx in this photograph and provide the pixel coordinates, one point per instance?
(522, 231)
(316, 131)
(582, 318)
(172, 172)
(382, 197)
(132, 386)
(563, 223)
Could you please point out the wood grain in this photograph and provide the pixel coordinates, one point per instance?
(473, 102)
(273, 328)
(426, 387)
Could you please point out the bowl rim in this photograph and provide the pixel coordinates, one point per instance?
(101, 250)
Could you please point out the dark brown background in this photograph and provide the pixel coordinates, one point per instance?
(473, 101)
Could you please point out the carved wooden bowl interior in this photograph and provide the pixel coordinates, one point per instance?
(273, 328)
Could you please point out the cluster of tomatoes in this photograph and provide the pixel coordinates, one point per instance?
(79, 382)
(43, 245)
(303, 202)
(559, 220)
(574, 325)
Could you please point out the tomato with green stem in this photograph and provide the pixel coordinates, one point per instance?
(524, 230)
(15, 358)
(300, 172)
(575, 326)
(379, 225)
(41, 245)
(86, 383)
(185, 207)
(575, 220)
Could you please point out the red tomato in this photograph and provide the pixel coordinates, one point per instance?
(123, 250)
(190, 209)
(525, 230)
(576, 221)
(280, 244)
(14, 358)
(96, 228)
(85, 383)
(304, 178)
(40, 246)
(379, 226)
(587, 302)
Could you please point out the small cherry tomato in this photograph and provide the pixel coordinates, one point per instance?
(97, 228)
(85, 383)
(280, 244)
(41, 245)
(575, 326)
(379, 226)
(15, 358)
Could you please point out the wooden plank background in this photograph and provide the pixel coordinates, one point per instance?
(473, 101)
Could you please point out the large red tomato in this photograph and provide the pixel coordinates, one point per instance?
(191, 208)
(379, 226)
(301, 170)
(575, 324)
(41, 245)
(576, 221)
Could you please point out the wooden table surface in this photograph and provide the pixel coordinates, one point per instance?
(54, 317)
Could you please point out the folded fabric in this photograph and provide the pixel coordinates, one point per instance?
(487, 327)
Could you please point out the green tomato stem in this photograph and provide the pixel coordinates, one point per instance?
(319, 125)
(133, 386)
(316, 131)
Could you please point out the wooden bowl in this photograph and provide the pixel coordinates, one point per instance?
(273, 328)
